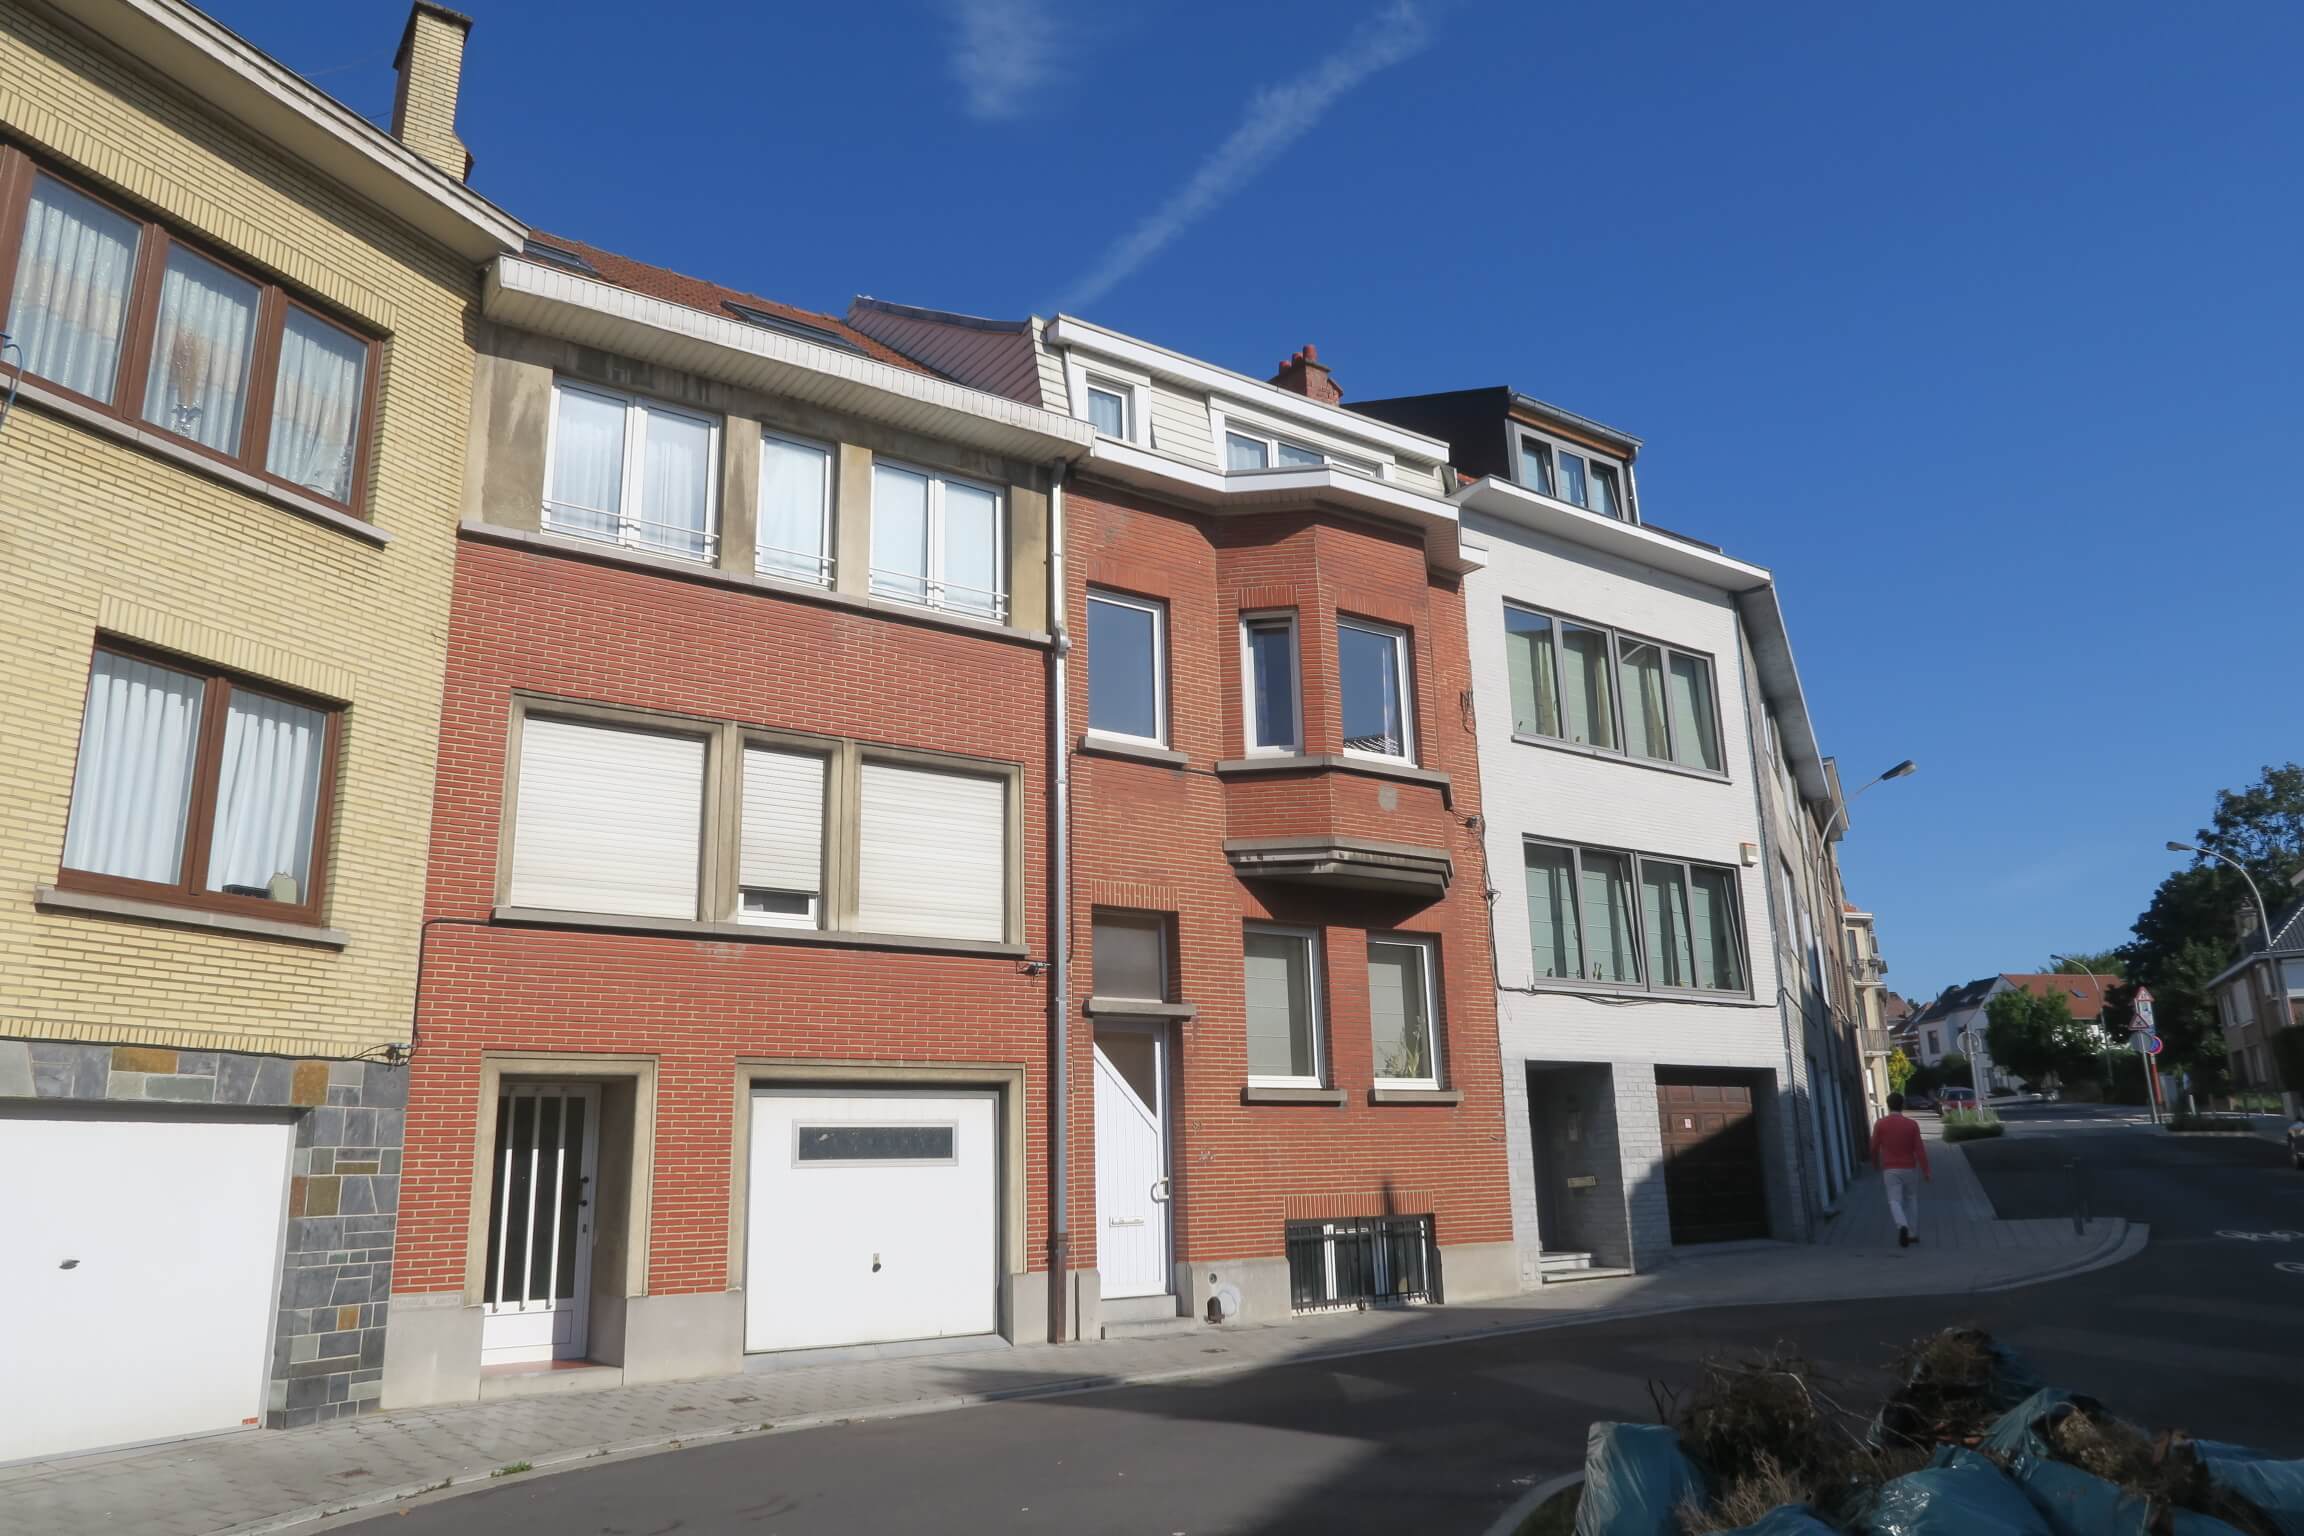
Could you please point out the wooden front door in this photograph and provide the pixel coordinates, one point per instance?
(1713, 1181)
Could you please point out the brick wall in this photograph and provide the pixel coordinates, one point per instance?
(601, 633)
(1151, 836)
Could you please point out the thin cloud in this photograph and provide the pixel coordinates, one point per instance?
(1277, 117)
(1007, 49)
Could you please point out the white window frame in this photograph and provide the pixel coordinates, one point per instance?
(825, 543)
(1617, 639)
(1315, 1001)
(934, 596)
(1523, 436)
(1225, 425)
(1248, 742)
(637, 409)
(1159, 612)
(1130, 397)
(828, 762)
(1403, 673)
(1429, 970)
(1133, 388)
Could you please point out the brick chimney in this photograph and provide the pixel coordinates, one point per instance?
(431, 65)
(1306, 375)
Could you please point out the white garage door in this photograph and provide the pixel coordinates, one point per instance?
(138, 1278)
(873, 1218)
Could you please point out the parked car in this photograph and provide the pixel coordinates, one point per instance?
(1919, 1099)
(1949, 1099)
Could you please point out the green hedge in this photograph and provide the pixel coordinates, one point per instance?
(1974, 1130)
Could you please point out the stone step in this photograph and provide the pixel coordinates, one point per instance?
(1137, 1309)
(1150, 1327)
(1564, 1258)
(1569, 1276)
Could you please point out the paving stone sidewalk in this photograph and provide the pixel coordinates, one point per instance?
(258, 1481)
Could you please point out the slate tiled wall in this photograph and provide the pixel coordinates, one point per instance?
(343, 1194)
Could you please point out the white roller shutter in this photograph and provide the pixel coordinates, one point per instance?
(782, 846)
(934, 857)
(609, 820)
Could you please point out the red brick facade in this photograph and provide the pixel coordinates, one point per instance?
(1150, 836)
(573, 629)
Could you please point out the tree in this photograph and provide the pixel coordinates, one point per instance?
(2021, 1030)
(2094, 962)
(1900, 1070)
(2198, 916)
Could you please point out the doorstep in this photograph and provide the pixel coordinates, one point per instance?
(547, 1378)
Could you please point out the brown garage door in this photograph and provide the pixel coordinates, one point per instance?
(1712, 1175)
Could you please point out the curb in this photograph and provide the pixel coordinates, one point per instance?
(2113, 1251)
(1509, 1522)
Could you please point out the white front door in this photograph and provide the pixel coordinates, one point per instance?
(104, 1220)
(871, 1218)
(1132, 1233)
(538, 1284)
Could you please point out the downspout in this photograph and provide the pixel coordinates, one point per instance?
(1777, 918)
(1059, 929)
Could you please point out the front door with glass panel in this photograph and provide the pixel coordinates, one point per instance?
(538, 1280)
(1132, 1230)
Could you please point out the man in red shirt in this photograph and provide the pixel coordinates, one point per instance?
(1902, 1158)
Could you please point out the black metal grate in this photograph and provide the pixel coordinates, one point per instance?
(1362, 1261)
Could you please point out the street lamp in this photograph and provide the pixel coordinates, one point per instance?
(1897, 772)
(2263, 913)
(2101, 1032)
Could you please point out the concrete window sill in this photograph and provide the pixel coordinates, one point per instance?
(748, 933)
(1327, 1096)
(1138, 1008)
(1611, 755)
(1141, 751)
(88, 904)
(1443, 1096)
(1338, 762)
(161, 445)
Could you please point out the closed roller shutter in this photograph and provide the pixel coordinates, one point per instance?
(781, 850)
(934, 854)
(609, 820)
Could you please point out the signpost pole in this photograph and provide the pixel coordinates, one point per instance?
(2147, 1049)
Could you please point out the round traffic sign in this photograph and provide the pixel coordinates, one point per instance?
(2153, 1043)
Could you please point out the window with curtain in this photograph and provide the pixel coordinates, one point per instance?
(780, 852)
(938, 541)
(1283, 1007)
(1127, 666)
(1108, 408)
(316, 406)
(1268, 646)
(1581, 683)
(632, 472)
(69, 307)
(1251, 449)
(1401, 1009)
(197, 788)
(1682, 930)
(119, 311)
(1372, 684)
(794, 537)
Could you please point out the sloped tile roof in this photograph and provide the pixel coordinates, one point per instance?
(2085, 994)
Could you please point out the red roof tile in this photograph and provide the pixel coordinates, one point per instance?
(2084, 993)
(713, 298)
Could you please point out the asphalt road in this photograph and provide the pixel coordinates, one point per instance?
(2201, 1330)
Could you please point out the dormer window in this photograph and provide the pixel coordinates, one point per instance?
(1109, 408)
(1571, 474)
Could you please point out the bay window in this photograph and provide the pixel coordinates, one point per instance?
(1402, 1012)
(120, 312)
(199, 788)
(1372, 677)
(937, 541)
(1283, 1007)
(1684, 932)
(632, 472)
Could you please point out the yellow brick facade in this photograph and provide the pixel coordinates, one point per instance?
(100, 535)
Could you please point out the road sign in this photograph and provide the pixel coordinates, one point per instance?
(2153, 1044)
(2142, 1023)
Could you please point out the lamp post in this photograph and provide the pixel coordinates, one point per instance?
(2263, 913)
(1897, 772)
(2103, 1033)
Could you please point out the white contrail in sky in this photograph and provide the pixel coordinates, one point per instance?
(1277, 117)
(1007, 50)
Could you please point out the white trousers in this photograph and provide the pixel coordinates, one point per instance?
(1903, 1197)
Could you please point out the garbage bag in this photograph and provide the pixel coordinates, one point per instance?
(2018, 1438)
(1635, 1479)
(1959, 1493)
(2275, 1487)
(1786, 1520)
(2077, 1503)
(2185, 1522)
(1908, 1414)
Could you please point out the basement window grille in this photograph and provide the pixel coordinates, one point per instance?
(1362, 1261)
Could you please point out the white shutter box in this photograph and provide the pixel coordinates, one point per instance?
(933, 860)
(782, 848)
(609, 820)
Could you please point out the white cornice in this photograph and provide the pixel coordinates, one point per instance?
(239, 81)
(531, 296)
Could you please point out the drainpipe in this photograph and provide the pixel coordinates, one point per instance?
(1059, 929)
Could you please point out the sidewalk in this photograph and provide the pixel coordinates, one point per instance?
(255, 1481)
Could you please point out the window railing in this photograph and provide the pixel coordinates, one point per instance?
(811, 566)
(950, 596)
(1362, 1261)
(608, 527)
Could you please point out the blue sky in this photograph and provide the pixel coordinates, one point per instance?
(1979, 324)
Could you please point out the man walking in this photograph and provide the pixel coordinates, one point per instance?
(1902, 1158)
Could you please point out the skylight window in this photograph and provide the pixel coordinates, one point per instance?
(558, 256)
(778, 323)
